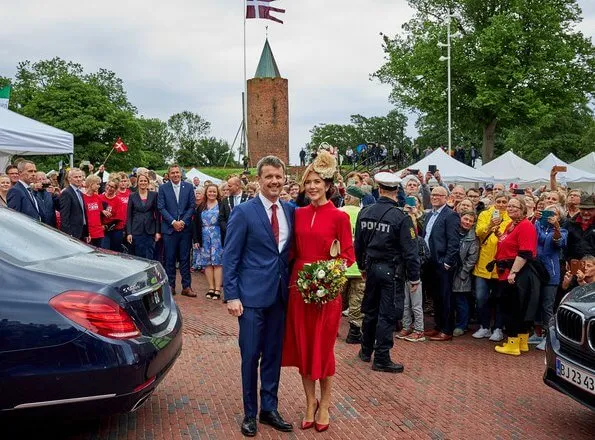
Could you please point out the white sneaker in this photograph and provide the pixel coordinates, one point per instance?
(497, 335)
(534, 339)
(541, 345)
(345, 312)
(482, 333)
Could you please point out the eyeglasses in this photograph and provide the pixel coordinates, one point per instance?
(438, 195)
(513, 207)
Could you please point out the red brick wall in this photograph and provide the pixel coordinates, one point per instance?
(268, 119)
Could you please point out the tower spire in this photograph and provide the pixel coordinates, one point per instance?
(267, 66)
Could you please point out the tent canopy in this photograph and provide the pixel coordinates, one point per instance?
(202, 176)
(586, 163)
(511, 168)
(572, 175)
(26, 136)
(451, 169)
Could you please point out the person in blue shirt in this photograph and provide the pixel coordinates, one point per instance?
(551, 240)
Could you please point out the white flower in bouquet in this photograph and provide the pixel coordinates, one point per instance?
(320, 293)
(320, 274)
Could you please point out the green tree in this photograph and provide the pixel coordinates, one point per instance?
(388, 130)
(92, 107)
(157, 148)
(187, 129)
(514, 62)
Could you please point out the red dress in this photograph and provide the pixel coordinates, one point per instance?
(311, 329)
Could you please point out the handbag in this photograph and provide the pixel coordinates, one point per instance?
(335, 250)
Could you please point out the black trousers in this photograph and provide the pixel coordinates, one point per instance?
(382, 307)
(440, 287)
(514, 309)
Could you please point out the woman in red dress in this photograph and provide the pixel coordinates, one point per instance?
(311, 329)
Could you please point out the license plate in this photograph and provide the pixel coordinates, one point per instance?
(576, 376)
(153, 300)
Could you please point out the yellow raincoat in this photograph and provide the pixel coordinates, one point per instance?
(489, 244)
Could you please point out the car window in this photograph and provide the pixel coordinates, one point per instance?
(24, 240)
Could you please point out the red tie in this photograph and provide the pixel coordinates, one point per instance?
(275, 223)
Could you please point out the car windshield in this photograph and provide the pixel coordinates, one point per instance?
(24, 240)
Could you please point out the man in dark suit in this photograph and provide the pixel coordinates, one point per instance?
(21, 197)
(72, 207)
(46, 201)
(256, 280)
(442, 237)
(236, 196)
(176, 204)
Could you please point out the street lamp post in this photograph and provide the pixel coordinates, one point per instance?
(447, 59)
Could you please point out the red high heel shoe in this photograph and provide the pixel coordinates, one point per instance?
(319, 427)
(308, 425)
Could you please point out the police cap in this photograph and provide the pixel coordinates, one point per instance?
(387, 180)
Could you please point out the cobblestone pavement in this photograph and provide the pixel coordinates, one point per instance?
(453, 390)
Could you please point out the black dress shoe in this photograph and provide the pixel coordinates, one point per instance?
(390, 367)
(249, 426)
(363, 356)
(274, 419)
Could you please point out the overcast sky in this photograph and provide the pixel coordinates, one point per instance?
(188, 54)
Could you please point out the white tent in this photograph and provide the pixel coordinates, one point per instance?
(202, 176)
(24, 136)
(586, 163)
(509, 168)
(573, 177)
(451, 170)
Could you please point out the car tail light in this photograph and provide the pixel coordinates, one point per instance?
(96, 313)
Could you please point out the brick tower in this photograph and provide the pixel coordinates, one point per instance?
(268, 111)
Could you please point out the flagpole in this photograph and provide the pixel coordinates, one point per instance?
(110, 153)
(244, 111)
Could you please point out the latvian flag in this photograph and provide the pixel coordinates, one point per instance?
(262, 9)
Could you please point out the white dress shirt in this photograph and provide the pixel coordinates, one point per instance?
(283, 224)
(176, 187)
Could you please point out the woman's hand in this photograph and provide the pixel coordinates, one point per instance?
(580, 277)
(511, 277)
(88, 239)
(196, 246)
(554, 222)
(106, 213)
(129, 238)
(157, 237)
(495, 222)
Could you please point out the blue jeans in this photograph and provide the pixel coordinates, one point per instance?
(483, 288)
(547, 298)
(462, 309)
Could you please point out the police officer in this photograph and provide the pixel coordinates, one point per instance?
(387, 254)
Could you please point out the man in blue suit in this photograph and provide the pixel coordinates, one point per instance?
(442, 237)
(176, 204)
(256, 280)
(20, 197)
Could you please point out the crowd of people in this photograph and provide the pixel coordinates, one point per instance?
(498, 256)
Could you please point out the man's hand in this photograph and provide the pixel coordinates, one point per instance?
(437, 176)
(178, 225)
(235, 307)
(413, 287)
(157, 236)
(428, 177)
(129, 238)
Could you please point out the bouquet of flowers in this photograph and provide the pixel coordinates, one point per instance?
(322, 281)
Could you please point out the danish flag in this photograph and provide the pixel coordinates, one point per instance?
(120, 146)
(262, 9)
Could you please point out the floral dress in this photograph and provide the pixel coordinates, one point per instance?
(211, 251)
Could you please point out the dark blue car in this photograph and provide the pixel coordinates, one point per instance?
(81, 330)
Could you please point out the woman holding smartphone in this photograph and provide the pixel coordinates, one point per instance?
(490, 222)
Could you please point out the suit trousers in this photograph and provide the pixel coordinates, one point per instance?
(444, 300)
(261, 342)
(144, 246)
(177, 246)
(382, 307)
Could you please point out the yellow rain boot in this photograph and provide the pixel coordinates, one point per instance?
(523, 344)
(510, 347)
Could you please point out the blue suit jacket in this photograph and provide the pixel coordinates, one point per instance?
(171, 210)
(444, 240)
(253, 268)
(19, 200)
